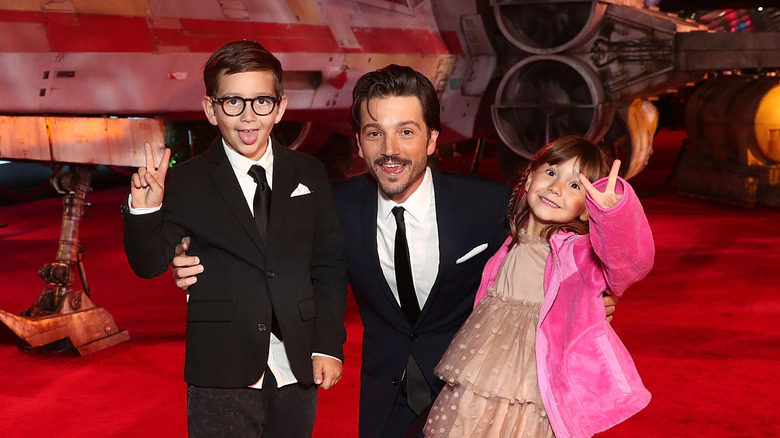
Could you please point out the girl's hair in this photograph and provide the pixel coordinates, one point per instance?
(590, 159)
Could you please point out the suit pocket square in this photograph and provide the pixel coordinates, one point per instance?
(478, 249)
(300, 191)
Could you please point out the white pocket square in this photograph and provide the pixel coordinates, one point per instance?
(477, 249)
(300, 190)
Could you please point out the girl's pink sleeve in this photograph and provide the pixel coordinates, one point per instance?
(622, 238)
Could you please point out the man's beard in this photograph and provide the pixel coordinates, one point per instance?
(393, 185)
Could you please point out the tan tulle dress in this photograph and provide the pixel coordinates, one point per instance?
(490, 366)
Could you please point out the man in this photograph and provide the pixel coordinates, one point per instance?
(265, 322)
(454, 224)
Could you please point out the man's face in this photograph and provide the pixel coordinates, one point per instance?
(395, 143)
(246, 133)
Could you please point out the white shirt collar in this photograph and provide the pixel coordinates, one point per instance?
(241, 164)
(416, 205)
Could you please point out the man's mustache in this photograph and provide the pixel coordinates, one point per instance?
(383, 161)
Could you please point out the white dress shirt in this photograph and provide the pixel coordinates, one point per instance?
(278, 362)
(422, 235)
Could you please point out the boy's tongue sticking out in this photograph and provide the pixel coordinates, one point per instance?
(249, 137)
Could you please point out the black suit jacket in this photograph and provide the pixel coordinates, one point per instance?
(469, 212)
(300, 273)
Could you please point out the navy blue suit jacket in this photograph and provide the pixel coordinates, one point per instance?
(470, 211)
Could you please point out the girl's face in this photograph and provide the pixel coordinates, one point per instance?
(554, 195)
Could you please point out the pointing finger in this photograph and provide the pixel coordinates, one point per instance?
(163, 167)
(613, 175)
(149, 156)
(585, 183)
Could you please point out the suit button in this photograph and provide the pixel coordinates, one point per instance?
(270, 274)
(262, 327)
(395, 381)
(413, 337)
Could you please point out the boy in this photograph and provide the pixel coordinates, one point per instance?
(265, 321)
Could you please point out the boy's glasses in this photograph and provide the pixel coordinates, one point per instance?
(234, 105)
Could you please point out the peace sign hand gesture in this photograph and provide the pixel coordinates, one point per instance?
(147, 186)
(608, 198)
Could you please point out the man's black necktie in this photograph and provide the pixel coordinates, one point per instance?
(262, 209)
(403, 269)
(418, 393)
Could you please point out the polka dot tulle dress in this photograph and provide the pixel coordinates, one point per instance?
(490, 366)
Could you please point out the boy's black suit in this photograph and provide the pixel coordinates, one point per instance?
(469, 213)
(301, 271)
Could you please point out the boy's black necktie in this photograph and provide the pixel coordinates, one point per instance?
(262, 207)
(418, 393)
(262, 201)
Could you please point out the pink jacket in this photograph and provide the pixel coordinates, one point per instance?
(587, 378)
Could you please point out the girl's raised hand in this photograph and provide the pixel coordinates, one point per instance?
(148, 184)
(608, 198)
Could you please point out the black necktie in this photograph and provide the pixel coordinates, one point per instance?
(403, 269)
(262, 201)
(418, 393)
(262, 207)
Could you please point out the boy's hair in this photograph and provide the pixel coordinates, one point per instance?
(241, 57)
(396, 81)
(592, 162)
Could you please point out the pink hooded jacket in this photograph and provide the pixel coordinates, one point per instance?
(587, 378)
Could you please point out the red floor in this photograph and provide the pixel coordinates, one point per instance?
(703, 328)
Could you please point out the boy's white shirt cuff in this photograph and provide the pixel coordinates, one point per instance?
(478, 249)
(142, 210)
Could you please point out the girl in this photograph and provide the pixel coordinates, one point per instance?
(536, 358)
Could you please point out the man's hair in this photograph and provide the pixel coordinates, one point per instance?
(241, 57)
(396, 81)
(591, 161)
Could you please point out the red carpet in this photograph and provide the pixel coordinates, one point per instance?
(704, 328)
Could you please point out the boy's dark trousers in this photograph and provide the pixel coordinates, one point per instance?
(270, 412)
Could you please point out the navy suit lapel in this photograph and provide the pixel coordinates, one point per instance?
(446, 213)
(368, 213)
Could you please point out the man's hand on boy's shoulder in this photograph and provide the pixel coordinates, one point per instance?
(147, 185)
(185, 268)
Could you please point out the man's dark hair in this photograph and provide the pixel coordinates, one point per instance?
(241, 57)
(396, 81)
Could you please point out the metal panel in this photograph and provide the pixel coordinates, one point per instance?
(196, 9)
(24, 138)
(703, 51)
(101, 83)
(99, 33)
(90, 140)
(116, 7)
(23, 37)
(86, 140)
(29, 5)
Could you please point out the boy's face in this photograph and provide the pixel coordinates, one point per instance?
(395, 144)
(246, 133)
